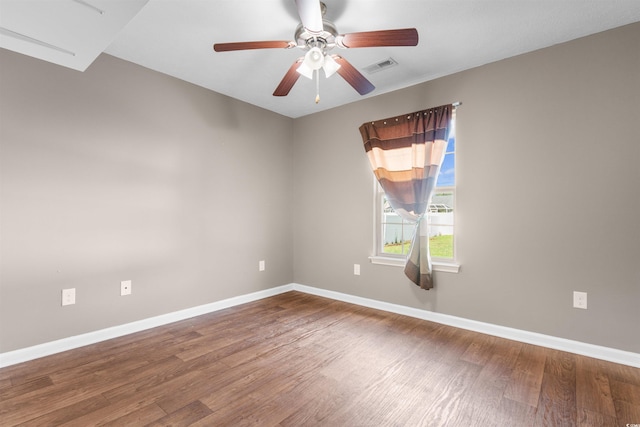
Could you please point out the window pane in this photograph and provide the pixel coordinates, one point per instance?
(441, 229)
(391, 218)
(441, 245)
(447, 175)
(399, 249)
(451, 145)
(396, 249)
(396, 234)
(442, 202)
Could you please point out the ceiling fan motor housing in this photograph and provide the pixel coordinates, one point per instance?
(326, 40)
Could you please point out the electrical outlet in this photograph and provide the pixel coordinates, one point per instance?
(261, 266)
(125, 287)
(69, 296)
(580, 300)
(356, 269)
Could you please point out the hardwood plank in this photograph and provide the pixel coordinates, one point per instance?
(9, 392)
(70, 412)
(593, 393)
(617, 372)
(561, 364)
(297, 359)
(139, 417)
(207, 343)
(382, 404)
(557, 402)
(479, 350)
(143, 408)
(122, 365)
(41, 401)
(72, 359)
(324, 399)
(217, 391)
(497, 371)
(515, 413)
(526, 379)
(485, 396)
(5, 383)
(262, 347)
(271, 402)
(182, 417)
(588, 418)
(157, 383)
(386, 391)
(625, 392)
(447, 397)
(627, 413)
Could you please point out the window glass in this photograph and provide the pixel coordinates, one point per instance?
(395, 234)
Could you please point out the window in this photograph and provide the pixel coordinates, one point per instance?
(393, 234)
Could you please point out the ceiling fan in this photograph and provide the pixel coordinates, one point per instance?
(317, 37)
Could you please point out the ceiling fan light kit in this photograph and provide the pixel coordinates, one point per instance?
(330, 66)
(317, 37)
(316, 59)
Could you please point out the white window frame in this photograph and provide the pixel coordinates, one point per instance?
(379, 257)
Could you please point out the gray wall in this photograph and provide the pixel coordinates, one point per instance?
(121, 173)
(551, 138)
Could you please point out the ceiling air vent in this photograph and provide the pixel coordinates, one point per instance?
(381, 65)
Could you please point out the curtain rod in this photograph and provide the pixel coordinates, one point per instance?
(456, 104)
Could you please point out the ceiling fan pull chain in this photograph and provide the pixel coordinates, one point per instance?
(317, 75)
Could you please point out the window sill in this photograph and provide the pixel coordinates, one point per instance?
(447, 267)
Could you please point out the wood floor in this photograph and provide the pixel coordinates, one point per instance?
(300, 360)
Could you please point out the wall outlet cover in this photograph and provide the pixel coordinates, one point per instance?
(125, 287)
(580, 300)
(69, 296)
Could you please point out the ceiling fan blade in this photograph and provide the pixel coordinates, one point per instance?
(274, 44)
(289, 79)
(353, 76)
(403, 37)
(310, 14)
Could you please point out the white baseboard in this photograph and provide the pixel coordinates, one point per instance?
(58, 346)
(576, 347)
(590, 350)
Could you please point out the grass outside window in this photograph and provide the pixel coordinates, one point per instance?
(439, 246)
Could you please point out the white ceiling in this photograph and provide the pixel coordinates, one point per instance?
(175, 37)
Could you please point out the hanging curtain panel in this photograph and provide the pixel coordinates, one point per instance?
(405, 153)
